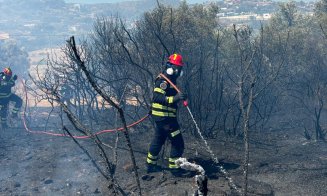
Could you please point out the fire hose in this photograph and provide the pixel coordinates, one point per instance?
(213, 156)
(185, 103)
(65, 135)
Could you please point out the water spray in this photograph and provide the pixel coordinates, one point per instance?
(213, 156)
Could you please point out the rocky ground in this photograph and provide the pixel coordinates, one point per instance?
(281, 163)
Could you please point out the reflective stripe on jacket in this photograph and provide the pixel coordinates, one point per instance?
(163, 105)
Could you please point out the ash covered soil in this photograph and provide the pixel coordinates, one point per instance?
(281, 163)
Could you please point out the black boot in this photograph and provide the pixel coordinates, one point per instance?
(151, 168)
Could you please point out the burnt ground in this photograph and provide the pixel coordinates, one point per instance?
(281, 163)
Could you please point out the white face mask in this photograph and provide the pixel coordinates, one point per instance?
(170, 71)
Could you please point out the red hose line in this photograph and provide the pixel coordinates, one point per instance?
(185, 102)
(65, 135)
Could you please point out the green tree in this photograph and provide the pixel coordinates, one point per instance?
(286, 14)
(302, 81)
(320, 13)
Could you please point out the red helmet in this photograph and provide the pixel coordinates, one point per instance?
(7, 71)
(176, 59)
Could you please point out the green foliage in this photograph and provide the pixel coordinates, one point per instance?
(321, 15)
(321, 8)
(303, 81)
(287, 15)
(215, 59)
(278, 68)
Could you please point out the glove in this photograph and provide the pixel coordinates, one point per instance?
(15, 77)
(180, 96)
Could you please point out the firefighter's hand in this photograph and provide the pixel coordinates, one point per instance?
(180, 96)
(15, 77)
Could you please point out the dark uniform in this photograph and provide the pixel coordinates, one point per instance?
(164, 110)
(6, 83)
(66, 94)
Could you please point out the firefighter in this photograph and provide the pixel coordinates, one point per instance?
(163, 112)
(66, 92)
(7, 81)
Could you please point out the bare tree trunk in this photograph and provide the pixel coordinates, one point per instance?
(80, 63)
(246, 117)
(247, 79)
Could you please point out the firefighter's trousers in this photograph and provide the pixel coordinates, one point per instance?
(167, 129)
(4, 101)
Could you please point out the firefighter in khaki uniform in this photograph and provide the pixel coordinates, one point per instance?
(7, 81)
(163, 111)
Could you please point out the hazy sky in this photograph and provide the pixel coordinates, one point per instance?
(115, 1)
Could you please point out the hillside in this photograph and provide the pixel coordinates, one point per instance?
(39, 164)
(188, 1)
(43, 24)
(46, 24)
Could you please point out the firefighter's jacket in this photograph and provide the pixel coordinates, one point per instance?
(163, 106)
(6, 83)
